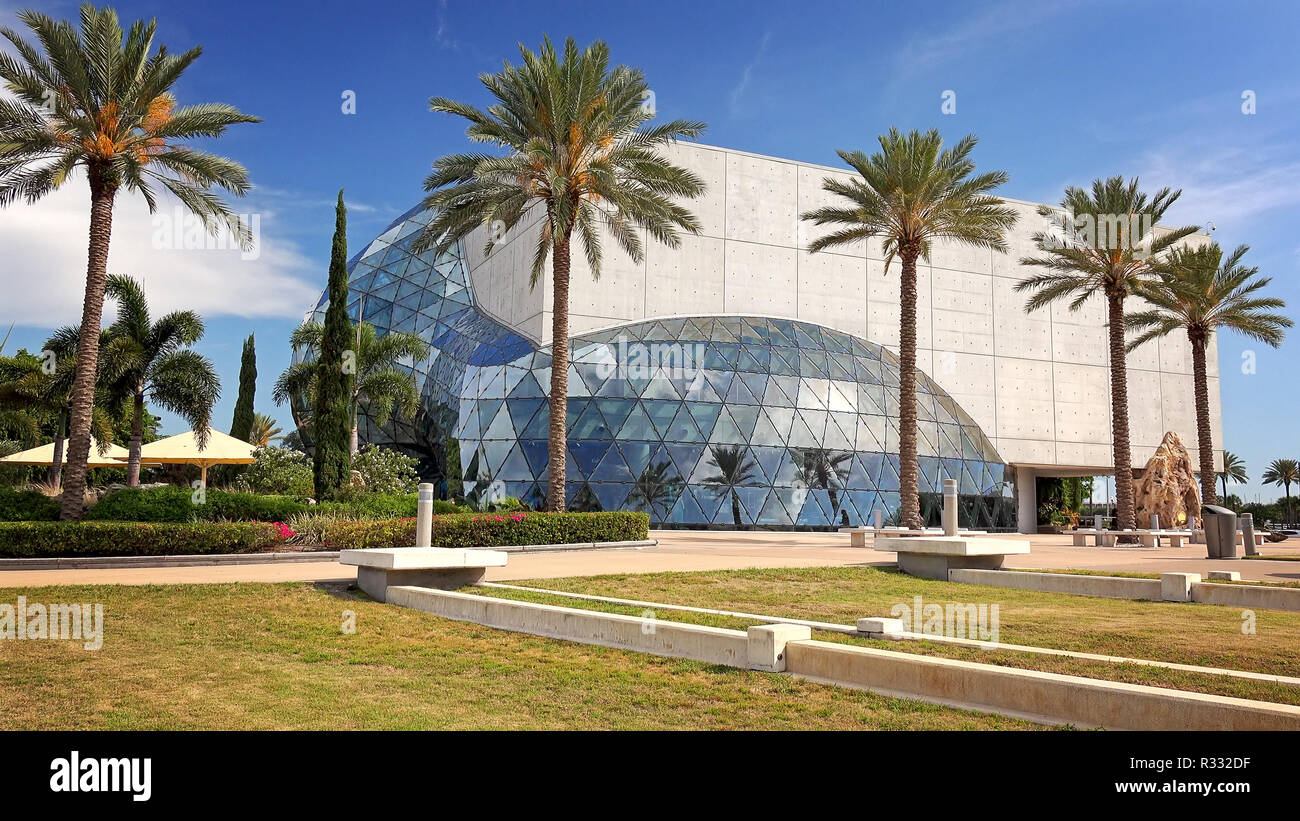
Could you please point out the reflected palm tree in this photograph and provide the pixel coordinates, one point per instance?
(823, 469)
(655, 487)
(735, 467)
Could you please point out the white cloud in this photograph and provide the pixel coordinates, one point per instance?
(43, 269)
(1226, 185)
(738, 92)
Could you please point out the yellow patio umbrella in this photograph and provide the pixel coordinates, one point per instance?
(183, 449)
(44, 455)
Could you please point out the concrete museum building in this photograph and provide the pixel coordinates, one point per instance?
(738, 379)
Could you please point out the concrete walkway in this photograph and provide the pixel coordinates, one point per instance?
(701, 550)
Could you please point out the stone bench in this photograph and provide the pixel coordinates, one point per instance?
(858, 535)
(442, 568)
(1108, 538)
(932, 556)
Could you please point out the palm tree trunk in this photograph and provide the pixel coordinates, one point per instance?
(1224, 477)
(735, 507)
(92, 311)
(137, 441)
(559, 376)
(354, 444)
(909, 496)
(55, 473)
(1124, 513)
(1204, 438)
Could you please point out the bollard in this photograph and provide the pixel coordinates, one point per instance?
(878, 518)
(1155, 521)
(950, 507)
(1247, 522)
(424, 516)
(1097, 522)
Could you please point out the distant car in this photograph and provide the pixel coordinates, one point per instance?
(1288, 533)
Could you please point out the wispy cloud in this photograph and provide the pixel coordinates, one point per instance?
(45, 243)
(442, 31)
(1227, 185)
(738, 92)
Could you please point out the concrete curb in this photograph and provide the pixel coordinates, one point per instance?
(1173, 587)
(111, 562)
(1048, 697)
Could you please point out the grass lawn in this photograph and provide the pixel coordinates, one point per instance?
(273, 656)
(1198, 634)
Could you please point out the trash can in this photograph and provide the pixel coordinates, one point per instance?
(1220, 532)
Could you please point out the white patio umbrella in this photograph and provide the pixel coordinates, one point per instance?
(183, 449)
(44, 455)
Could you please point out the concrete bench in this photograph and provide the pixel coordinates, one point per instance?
(1108, 538)
(442, 568)
(932, 556)
(858, 535)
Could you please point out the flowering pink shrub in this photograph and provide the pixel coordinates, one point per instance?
(284, 531)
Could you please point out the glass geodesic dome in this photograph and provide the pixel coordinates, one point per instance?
(699, 421)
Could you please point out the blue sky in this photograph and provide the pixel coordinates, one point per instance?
(1058, 94)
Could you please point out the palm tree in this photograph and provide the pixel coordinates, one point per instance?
(735, 468)
(657, 486)
(32, 391)
(264, 431)
(1233, 468)
(1284, 472)
(99, 99)
(380, 383)
(146, 358)
(572, 130)
(909, 194)
(823, 469)
(1115, 265)
(1198, 291)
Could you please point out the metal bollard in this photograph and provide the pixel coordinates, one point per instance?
(950, 507)
(1097, 522)
(1247, 523)
(424, 516)
(1155, 521)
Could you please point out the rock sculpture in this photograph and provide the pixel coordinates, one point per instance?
(1167, 487)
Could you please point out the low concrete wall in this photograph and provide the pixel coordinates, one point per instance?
(1247, 595)
(194, 560)
(1032, 694)
(662, 638)
(1110, 587)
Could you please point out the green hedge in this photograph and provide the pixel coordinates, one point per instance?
(176, 504)
(27, 506)
(73, 539)
(495, 530)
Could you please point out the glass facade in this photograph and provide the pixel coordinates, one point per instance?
(699, 421)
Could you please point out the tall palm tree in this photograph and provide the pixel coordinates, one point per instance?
(264, 430)
(735, 468)
(575, 148)
(380, 383)
(1198, 291)
(144, 358)
(1234, 468)
(1113, 256)
(1284, 472)
(910, 193)
(657, 487)
(98, 99)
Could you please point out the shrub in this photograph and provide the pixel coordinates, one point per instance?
(249, 507)
(278, 471)
(72, 539)
(383, 506)
(179, 504)
(495, 530)
(27, 506)
(155, 504)
(384, 471)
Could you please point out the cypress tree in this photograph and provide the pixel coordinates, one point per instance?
(241, 426)
(331, 417)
